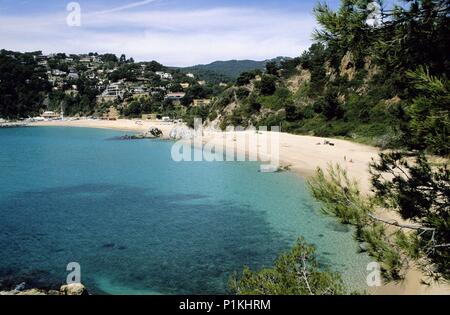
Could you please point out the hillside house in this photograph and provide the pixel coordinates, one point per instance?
(111, 93)
(58, 73)
(201, 102)
(175, 96)
(164, 75)
(86, 59)
(50, 115)
(150, 117)
(73, 76)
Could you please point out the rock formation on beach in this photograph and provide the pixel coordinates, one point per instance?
(70, 289)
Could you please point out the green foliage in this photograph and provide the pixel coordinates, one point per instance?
(383, 249)
(408, 37)
(415, 34)
(273, 119)
(145, 105)
(420, 193)
(109, 58)
(417, 190)
(127, 71)
(229, 70)
(251, 105)
(272, 68)
(279, 100)
(340, 196)
(154, 66)
(22, 85)
(430, 113)
(314, 61)
(345, 29)
(134, 109)
(197, 91)
(201, 112)
(224, 99)
(297, 112)
(295, 273)
(242, 93)
(245, 77)
(329, 105)
(289, 67)
(211, 76)
(267, 86)
(213, 116)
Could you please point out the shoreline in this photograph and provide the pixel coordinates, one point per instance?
(303, 155)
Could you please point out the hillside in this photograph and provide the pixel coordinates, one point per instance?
(230, 69)
(371, 91)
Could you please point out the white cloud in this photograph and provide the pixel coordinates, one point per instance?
(128, 6)
(171, 37)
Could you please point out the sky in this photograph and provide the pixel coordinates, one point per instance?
(173, 32)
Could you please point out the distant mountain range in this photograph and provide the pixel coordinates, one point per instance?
(228, 70)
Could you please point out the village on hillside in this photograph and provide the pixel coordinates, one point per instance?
(108, 87)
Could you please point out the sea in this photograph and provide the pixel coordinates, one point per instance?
(137, 222)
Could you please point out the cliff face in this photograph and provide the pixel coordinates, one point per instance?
(71, 289)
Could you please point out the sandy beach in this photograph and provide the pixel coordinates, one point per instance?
(303, 155)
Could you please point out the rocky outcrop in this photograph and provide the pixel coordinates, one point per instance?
(348, 67)
(295, 82)
(71, 289)
(30, 292)
(155, 132)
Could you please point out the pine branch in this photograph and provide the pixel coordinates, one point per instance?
(397, 224)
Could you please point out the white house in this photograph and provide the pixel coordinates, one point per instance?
(113, 90)
(164, 75)
(50, 115)
(86, 59)
(111, 93)
(58, 72)
(175, 96)
(73, 76)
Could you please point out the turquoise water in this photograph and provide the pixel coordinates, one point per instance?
(139, 223)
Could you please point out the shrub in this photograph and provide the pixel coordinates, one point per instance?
(295, 273)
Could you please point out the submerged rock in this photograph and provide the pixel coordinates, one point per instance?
(153, 133)
(109, 245)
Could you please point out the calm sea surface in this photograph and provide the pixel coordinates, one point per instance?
(139, 223)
